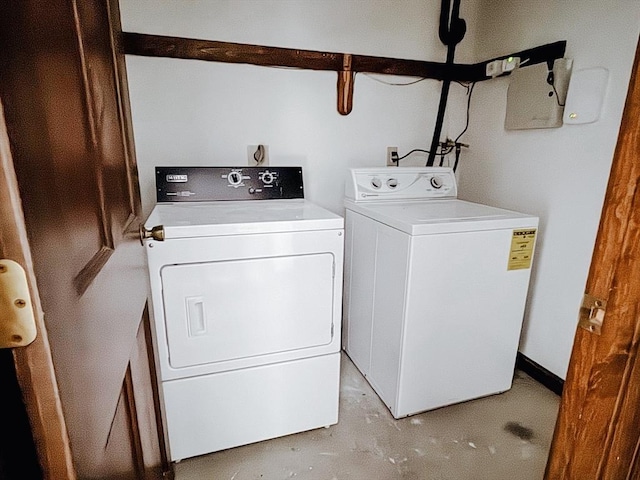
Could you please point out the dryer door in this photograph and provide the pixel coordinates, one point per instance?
(234, 309)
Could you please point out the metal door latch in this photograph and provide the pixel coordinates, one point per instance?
(592, 313)
(17, 321)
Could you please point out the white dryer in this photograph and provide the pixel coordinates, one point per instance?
(246, 286)
(435, 288)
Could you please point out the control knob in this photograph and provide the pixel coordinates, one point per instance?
(235, 178)
(392, 182)
(436, 182)
(376, 183)
(267, 178)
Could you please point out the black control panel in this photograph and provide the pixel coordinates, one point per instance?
(204, 184)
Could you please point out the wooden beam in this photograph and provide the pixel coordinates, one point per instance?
(226, 52)
(345, 64)
(209, 50)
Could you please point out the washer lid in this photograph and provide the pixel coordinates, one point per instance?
(441, 216)
(181, 220)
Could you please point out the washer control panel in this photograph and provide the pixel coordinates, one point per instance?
(202, 184)
(400, 183)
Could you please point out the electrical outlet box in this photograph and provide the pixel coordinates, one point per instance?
(257, 155)
(536, 99)
(390, 151)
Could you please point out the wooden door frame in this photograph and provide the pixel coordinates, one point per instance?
(33, 363)
(596, 435)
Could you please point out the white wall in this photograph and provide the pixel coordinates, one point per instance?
(199, 113)
(559, 174)
(189, 112)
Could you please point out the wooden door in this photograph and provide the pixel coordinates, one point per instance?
(39, 416)
(597, 435)
(64, 93)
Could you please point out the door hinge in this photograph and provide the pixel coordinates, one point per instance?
(592, 313)
(17, 321)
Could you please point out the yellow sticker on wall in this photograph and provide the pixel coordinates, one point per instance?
(521, 252)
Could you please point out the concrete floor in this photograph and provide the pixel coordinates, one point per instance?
(500, 437)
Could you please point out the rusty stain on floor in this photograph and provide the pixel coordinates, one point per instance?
(504, 436)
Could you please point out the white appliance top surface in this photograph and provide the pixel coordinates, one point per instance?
(195, 219)
(425, 217)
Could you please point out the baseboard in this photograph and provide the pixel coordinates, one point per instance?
(540, 374)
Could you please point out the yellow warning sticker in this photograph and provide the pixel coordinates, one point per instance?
(522, 243)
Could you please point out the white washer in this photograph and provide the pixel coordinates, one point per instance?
(246, 298)
(435, 288)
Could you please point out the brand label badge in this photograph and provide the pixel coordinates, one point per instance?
(174, 178)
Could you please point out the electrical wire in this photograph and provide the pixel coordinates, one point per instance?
(553, 85)
(466, 126)
(458, 150)
(463, 84)
(395, 84)
(446, 150)
(412, 151)
(551, 80)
